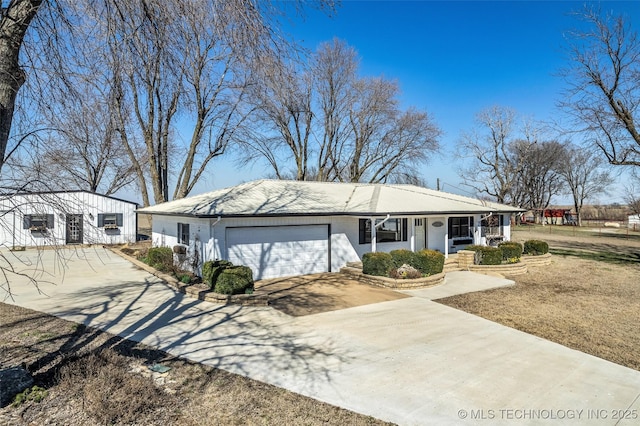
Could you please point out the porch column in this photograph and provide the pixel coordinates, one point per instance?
(374, 235)
(413, 234)
(446, 237)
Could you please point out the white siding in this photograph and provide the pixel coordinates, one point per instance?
(89, 205)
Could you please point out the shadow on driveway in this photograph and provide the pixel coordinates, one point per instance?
(317, 293)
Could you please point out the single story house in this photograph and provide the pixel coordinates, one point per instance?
(281, 228)
(634, 221)
(65, 217)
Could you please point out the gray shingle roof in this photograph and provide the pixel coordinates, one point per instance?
(285, 198)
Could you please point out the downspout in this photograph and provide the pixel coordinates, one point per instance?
(374, 233)
(213, 237)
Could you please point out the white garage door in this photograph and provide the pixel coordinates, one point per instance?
(279, 251)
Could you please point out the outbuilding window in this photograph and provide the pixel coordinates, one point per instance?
(390, 231)
(183, 233)
(109, 220)
(38, 222)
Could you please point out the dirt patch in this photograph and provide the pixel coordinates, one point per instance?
(581, 300)
(95, 378)
(313, 294)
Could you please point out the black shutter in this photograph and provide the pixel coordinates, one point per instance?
(470, 221)
(362, 224)
(404, 229)
(50, 219)
(26, 221)
(450, 231)
(501, 220)
(100, 220)
(119, 219)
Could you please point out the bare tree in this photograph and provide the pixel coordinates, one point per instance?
(538, 180)
(632, 199)
(494, 169)
(603, 94)
(358, 130)
(284, 118)
(334, 67)
(15, 18)
(582, 172)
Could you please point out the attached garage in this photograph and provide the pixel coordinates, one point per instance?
(278, 251)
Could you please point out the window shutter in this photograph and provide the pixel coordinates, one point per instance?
(470, 221)
(501, 220)
(50, 219)
(119, 219)
(450, 225)
(100, 220)
(26, 221)
(362, 228)
(404, 229)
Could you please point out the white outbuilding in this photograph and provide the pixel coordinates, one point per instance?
(280, 228)
(65, 217)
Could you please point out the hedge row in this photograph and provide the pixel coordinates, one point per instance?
(225, 278)
(508, 251)
(427, 262)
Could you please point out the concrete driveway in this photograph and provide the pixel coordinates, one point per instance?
(410, 361)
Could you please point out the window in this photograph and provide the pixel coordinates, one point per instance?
(417, 222)
(38, 222)
(109, 220)
(492, 225)
(183, 233)
(390, 231)
(460, 227)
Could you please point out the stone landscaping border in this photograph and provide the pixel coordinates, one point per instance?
(392, 283)
(352, 270)
(197, 291)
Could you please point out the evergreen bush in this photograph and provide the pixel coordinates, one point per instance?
(234, 280)
(429, 262)
(511, 251)
(379, 264)
(211, 269)
(536, 247)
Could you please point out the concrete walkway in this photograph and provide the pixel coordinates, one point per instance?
(410, 361)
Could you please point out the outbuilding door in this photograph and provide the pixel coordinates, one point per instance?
(279, 251)
(74, 229)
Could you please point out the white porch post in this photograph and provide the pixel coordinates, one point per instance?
(413, 234)
(446, 237)
(373, 235)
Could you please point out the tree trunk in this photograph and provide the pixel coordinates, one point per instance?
(15, 21)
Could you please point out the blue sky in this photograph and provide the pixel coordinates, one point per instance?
(452, 59)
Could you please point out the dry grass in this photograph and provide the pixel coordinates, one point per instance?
(587, 299)
(94, 378)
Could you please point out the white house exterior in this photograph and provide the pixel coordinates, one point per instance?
(634, 221)
(282, 228)
(70, 217)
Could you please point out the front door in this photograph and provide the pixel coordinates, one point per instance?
(74, 229)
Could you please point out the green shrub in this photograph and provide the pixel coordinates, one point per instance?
(211, 269)
(429, 262)
(536, 247)
(160, 258)
(379, 264)
(34, 393)
(234, 280)
(511, 250)
(486, 255)
(403, 257)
